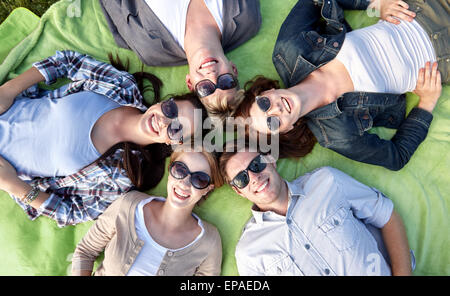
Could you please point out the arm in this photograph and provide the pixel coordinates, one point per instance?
(84, 197)
(394, 154)
(95, 241)
(11, 89)
(396, 242)
(212, 265)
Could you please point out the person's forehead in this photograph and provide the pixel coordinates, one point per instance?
(195, 161)
(240, 161)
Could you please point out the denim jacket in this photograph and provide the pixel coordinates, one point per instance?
(310, 37)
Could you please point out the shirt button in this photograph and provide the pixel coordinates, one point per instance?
(288, 221)
(170, 254)
(307, 246)
(161, 272)
(327, 271)
(435, 36)
(335, 44)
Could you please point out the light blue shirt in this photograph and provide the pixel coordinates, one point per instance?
(323, 232)
(48, 137)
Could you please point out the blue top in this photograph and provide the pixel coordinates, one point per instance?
(48, 137)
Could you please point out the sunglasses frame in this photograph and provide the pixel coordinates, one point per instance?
(189, 173)
(216, 86)
(260, 156)
(173, 118)
(269, 118)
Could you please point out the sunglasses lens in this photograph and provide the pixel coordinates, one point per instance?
(257, 165)
(273, 123)
(205, 88)
(178, 170)
(169, 109)
(263, 103)
(200, 180)
(241, 180)
(226, 81)
(175, 131)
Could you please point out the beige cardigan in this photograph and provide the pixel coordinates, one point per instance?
(115, 233)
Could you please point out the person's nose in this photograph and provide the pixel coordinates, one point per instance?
(276, 108)
(254, 177)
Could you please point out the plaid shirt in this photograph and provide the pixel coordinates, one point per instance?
(85, 195)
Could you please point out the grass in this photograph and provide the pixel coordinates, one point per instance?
(36, 6)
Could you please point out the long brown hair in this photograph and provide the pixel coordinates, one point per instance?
(297, 142)
(145, 165)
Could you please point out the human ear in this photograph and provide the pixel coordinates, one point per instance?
(235, 70)
(189, 82)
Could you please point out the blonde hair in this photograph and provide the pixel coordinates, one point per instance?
(220, 107)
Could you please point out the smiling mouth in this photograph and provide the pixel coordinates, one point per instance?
(263, 186)
(180, 194)
(208, 63)
(286, 104)
(154, 124)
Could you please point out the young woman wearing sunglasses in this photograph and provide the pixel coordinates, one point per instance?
(193, 32)
(147, 235)
(340, 84)
(68, 153)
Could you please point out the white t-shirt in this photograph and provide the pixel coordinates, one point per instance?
(386, 58)
(48, 137)
(151, 255)
(173, 15)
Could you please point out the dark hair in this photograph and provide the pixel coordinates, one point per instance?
(145, 165)
(297, 142)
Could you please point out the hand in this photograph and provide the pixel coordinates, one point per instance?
(6, 98)
(8, 175)
(428, 86)
(390, 10)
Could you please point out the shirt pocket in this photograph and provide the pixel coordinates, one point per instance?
(283, 266)
(363, 119)
(341, 229)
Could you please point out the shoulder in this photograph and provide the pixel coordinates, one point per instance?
(132, 198)
(321, 174)
(212, 235)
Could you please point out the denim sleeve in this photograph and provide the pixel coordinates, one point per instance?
(392, 154)
(354, 4)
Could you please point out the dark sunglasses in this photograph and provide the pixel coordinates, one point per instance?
(257, 165)
(199, 180)
(273, 122)
(206, 87)
(175, 129)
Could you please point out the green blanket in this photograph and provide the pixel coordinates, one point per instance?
(420, 191)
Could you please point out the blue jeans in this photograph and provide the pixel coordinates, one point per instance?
(343, 127)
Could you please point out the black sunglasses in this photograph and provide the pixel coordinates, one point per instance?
(273, 122)
(206, 87)
(257, 165)
(199, 180)
(175, 129)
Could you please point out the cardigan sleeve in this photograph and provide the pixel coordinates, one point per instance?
(95, 240)
(212, 265)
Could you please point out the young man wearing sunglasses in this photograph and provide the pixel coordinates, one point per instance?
(323, 223)
(197, 32)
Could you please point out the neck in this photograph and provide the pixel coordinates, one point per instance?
(174, 218)
(323, 86)
(201, 31)
(128, 127)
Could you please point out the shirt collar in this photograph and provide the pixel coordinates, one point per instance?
(294, 192)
